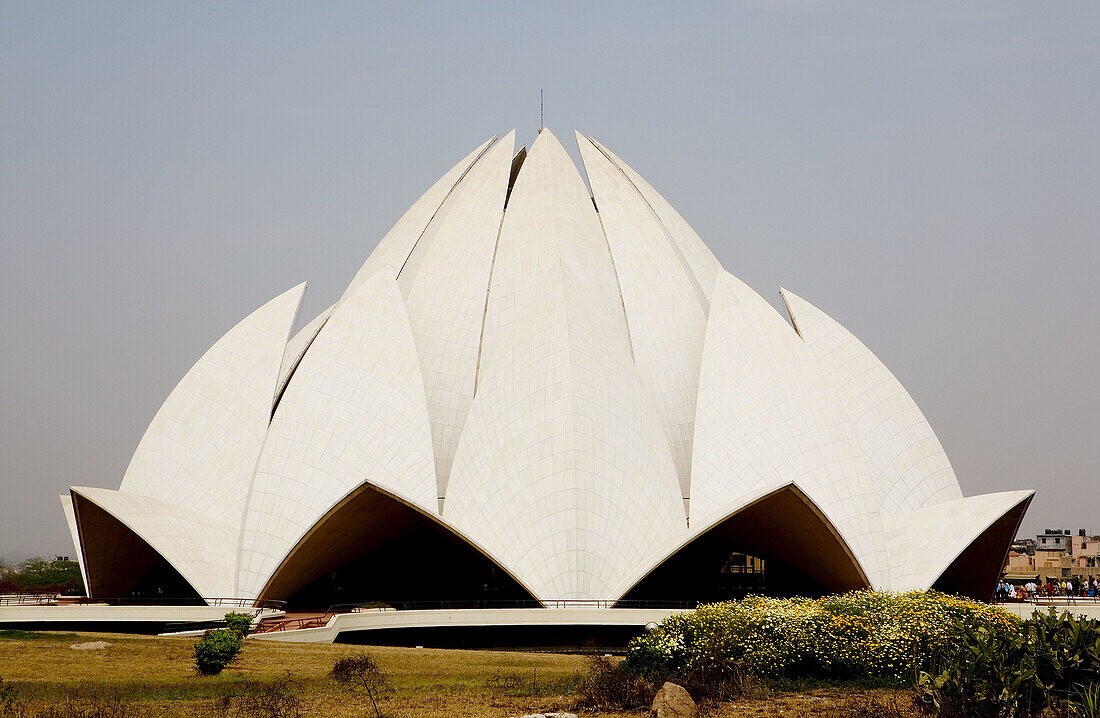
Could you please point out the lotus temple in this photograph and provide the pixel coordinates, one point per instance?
(536, 391)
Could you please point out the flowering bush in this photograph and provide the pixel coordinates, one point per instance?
(861, 634)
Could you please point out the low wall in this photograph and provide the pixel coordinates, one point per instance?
(108, 618)
(389, 620)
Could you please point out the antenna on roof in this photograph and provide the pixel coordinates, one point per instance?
(542, 120)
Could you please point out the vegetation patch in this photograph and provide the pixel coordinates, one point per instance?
(16, 635)
(1051, 663)
(860, 635)
(40, 575)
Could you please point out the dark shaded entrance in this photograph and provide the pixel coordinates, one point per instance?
(803, 554)
(373, 547)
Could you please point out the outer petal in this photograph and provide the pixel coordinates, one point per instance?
(665, 307)
(201, 447)
(923, 544)
(354, 411)
(200, 549)
(74, 532)
(445, 283)
(703, 264)
(563, 472)
(902, 450)
(768, 417)
(395, 247)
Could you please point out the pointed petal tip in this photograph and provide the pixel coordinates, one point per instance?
(545, 136)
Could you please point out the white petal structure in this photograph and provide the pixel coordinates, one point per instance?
(296, 348)
(198, 547)
(563, 465)
(200, 450)
(921, 555)
(531, 391)
(354, 412)
(665, 306)
(74, 532)
(769, 418)
(903, 452)
(395, 247)
(445, 282)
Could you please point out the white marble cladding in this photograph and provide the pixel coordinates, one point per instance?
(562, 379)
(200, 449)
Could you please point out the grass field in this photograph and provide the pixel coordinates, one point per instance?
(156, 677)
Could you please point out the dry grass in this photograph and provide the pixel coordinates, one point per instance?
(158, 675)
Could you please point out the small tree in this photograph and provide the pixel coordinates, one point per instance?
(215, 650)
(239, 623)
(277, 699)
(362, 672)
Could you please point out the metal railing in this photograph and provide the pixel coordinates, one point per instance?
(1057, 600)
(271, 625)
(29, 599)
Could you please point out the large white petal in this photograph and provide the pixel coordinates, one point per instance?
(665, 308)
(563, 471)
(200, 449)
(354, 411)
(903, 453)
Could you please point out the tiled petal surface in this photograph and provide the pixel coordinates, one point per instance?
(665, 308)
(767, 416)
(703, 264)
(200, 450)
(395, 247)
(354, 412)
(563, 471)
(445, 283)
(902, 451)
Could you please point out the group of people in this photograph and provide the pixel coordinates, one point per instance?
(1074, 586)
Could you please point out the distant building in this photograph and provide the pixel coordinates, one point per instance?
(1053, 554)
(1054, 539)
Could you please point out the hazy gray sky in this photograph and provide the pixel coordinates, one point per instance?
(926, 173)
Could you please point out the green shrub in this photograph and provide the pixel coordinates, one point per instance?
(239, 623)
(1017, 674)
(215, 650)
(863, 634)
